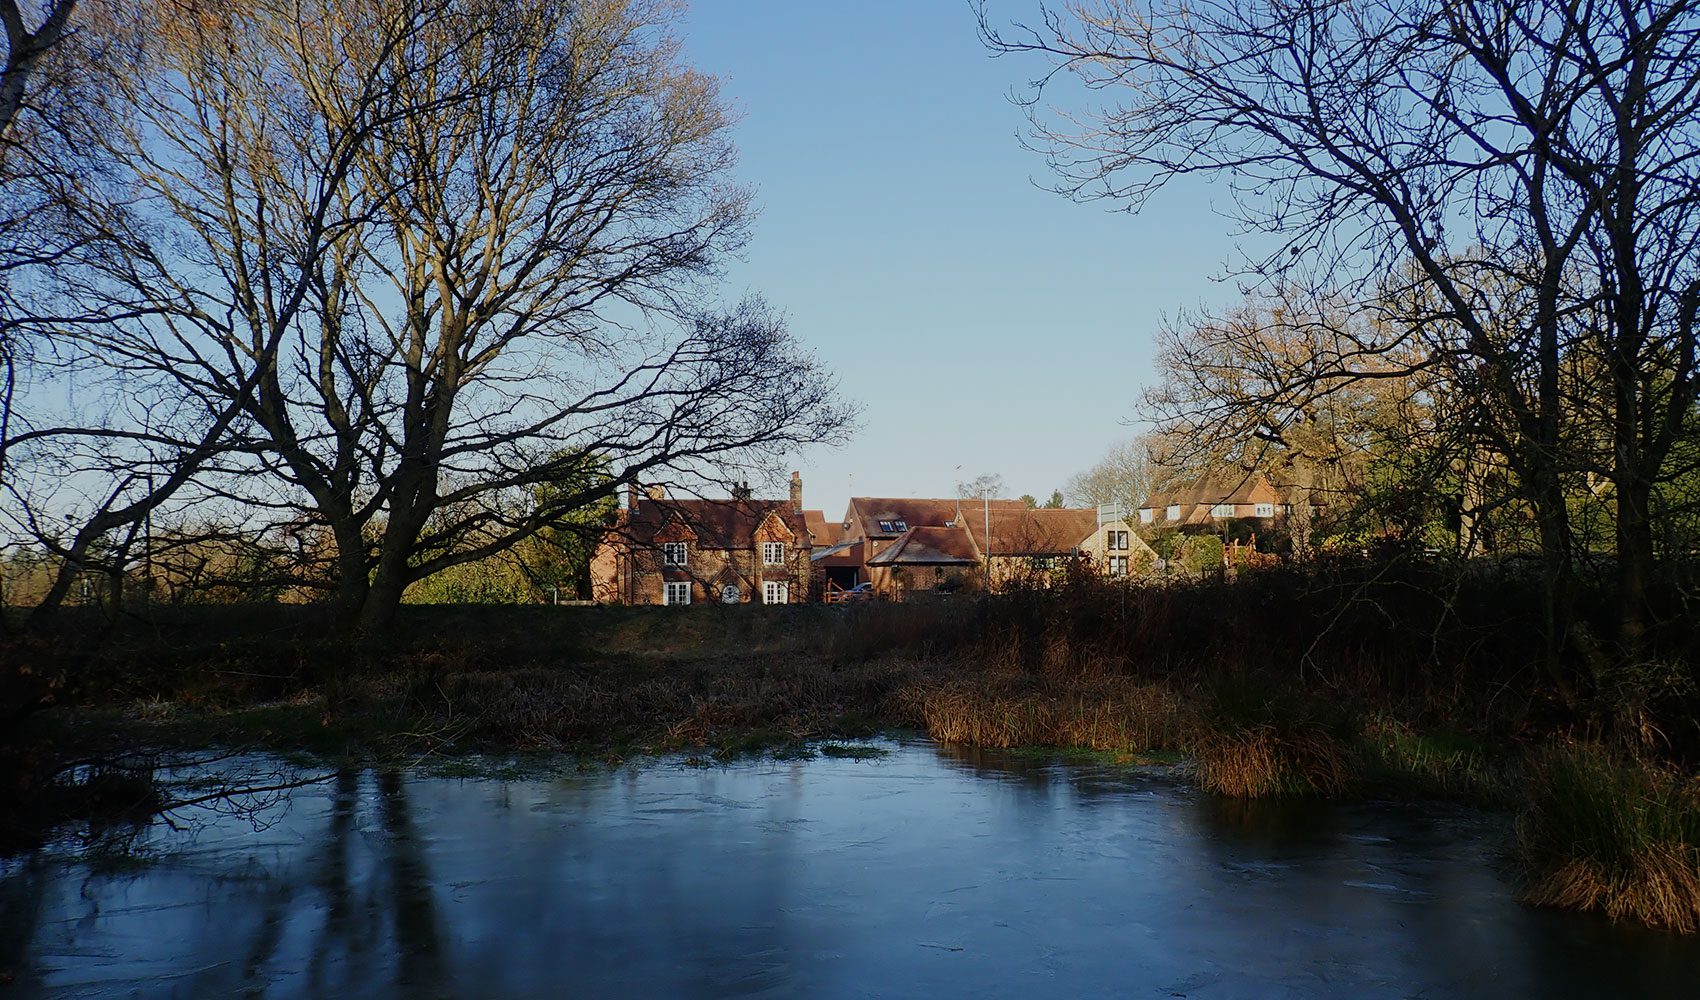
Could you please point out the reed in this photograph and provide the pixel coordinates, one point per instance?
(1610, 834)
(1254, 742)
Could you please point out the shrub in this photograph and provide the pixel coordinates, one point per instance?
(1202, 552)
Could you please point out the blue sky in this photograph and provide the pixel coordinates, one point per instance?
(982, 321)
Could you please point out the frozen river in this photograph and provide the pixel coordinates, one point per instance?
(929, 872)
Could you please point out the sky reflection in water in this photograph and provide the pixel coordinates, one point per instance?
(930, 872)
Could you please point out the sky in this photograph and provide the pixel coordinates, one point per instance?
(986, 325)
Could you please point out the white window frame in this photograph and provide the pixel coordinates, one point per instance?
(1118, 565)
(1147, 515)
(773, 553)
(1173, 513)
(1222, 510)
(676, 593)
(681, 549)
(771, 589)
(1265, 510)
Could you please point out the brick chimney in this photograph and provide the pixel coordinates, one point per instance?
(632, 496)
(797, 492)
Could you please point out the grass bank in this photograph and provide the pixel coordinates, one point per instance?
(1322, 686)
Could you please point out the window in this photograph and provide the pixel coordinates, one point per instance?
(1222, 510)
(775, 592)
(885, 527)
(1118, 565)
(1265, 510)
(900, 525)
(1173, 513)
(729, 594)
(1147, 515)
(673, 553)
(1116, 541)
(676, 593)
(773, 553)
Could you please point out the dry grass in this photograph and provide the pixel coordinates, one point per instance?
(994, 710)
(690, 703)
(1265, 760)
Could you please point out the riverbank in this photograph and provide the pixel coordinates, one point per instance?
(1255, 704)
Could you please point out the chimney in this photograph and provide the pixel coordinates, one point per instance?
(797, 492)
(741, 492)
(632, 496)
(657, 493)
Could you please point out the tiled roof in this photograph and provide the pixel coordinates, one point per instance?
(717, 524)
(868, 512)
(842, 554)
(824, 533)
(1039, 532)
(1252, 488)
(930, 545)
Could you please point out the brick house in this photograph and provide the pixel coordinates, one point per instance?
(1003, 539)
(1212, 500)
(734, 551)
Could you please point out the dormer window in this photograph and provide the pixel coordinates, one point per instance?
(1173, 513)
(773, 553)
(1222, 510)
(1265, 510)
(900, 525)
(895, 526)
(673, 554)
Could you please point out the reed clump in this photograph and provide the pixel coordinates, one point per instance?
(1614, 835)
(1254, 743)
(1002, 711)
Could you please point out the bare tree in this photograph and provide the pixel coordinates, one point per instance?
(1125, 475)
(422, 260)
(235, 158)
(1504, 161)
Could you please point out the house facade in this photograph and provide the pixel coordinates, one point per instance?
(689, 551)
(1212, 500)
(981, 544)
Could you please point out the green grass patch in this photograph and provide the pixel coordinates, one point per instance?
(853, 751)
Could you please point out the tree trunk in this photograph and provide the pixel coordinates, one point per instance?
(383, 600)
(1635, 563)
(1557, 578)
(353, 584)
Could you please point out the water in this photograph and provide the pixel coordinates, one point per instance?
(930, 872)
